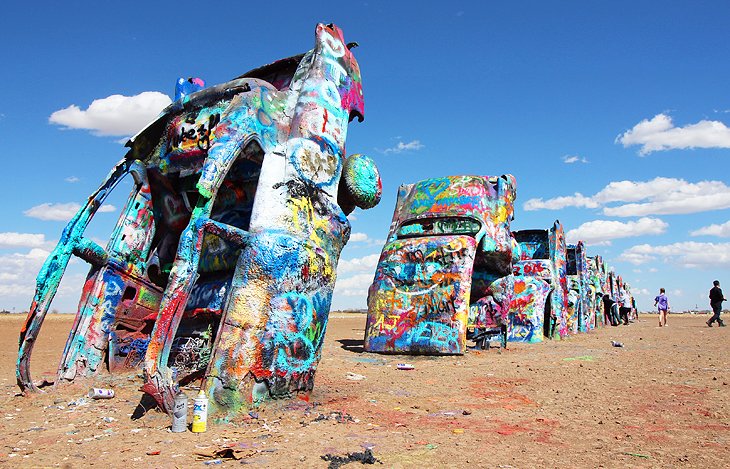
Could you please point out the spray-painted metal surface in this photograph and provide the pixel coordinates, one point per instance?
(446, 266)
(531, 300)
(581, 317)
(223, 261)
(595, 266)
(547, 245)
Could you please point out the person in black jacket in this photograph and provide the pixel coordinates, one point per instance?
(716, 299)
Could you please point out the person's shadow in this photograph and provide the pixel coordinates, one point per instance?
(353, 345)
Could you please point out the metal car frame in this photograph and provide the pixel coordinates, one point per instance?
(446, 267)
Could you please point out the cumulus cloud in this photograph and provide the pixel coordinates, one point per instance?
(115, 115)
(557, 203)
(570, 159)
(688, 254)
(601, 232)
(358, 264)
(721, 230)
(358, 238)
(17, 273)
(355, 286)
(659, 196)
(61, 212)
(400, 147)
(11, 239)
(354, 277)
(660, 134)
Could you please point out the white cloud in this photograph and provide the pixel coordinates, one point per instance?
(569, 159)
(359, 238)
(356, 286)
(53, 212)
(354, 277)
(557, 203)
(18, 271)
(115, 115)
(688, 254)
(61, 212)
(11, 239)
(659, 196)
(722, 230)
(598, 232)
(659, 134)
(358, 264)
(400, 147)
(18, 279)
(72, 179)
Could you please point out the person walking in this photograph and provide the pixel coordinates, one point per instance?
(716, 299)
(662, 303)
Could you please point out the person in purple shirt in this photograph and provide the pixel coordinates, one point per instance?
(662, 303)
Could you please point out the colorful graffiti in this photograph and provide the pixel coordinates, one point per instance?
(581, 317)
(545, 245)
(223, 262)
(445, 268)
(532, 285)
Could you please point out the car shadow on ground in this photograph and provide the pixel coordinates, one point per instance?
(353, 345)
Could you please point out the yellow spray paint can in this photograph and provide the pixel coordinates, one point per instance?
(200, 412)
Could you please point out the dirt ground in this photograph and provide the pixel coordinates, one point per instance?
(659, 401)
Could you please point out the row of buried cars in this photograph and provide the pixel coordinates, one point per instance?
(222, 264)
(452, 270)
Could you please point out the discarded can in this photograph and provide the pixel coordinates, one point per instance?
(405, 366)
(101, 393)
(180, 413)
(200, 413)
(616, 344)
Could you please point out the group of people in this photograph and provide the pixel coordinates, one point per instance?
(716, 298)
(621, 311)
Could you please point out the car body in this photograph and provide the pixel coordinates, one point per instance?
(596, 272)
(581, 316)
(446, 266)
(531, 300)
(223, 263)
(543, 256)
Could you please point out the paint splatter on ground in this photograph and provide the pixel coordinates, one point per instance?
(660, 401)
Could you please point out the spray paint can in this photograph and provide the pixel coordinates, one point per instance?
(180, 413)
(200, 412)
(101, 393)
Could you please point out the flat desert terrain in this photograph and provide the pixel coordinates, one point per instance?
(662, 400)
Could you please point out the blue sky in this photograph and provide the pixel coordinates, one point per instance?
(613, 117)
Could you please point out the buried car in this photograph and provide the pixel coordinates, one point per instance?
(581, 315)
(446, 266)
(222, 265)
(543, 258)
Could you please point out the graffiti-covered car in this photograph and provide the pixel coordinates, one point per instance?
(531, 300)
(595, 271)
(581, 316)
(222, 265)
(543, 256)
(446, 266)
